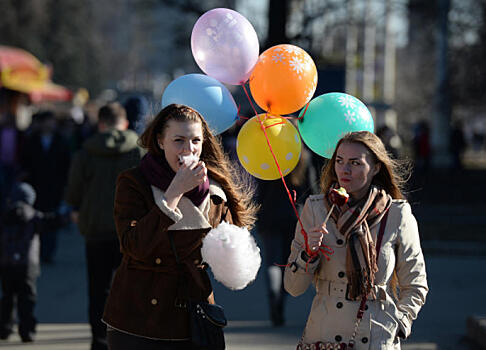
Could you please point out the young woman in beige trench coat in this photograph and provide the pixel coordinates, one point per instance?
(395, 284)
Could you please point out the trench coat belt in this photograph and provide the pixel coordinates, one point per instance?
(339, 289)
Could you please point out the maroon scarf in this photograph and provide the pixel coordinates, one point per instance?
(158, 173)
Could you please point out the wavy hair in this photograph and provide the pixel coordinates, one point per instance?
(393, 174)
(219, 167)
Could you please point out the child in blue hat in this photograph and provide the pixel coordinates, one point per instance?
(19, 261)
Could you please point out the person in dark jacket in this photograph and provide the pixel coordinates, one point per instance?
(11, 140)
(19, 261)
(275, 223)
(45, 160)
(91, 193)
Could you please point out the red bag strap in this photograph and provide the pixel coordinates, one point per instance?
(381, 233)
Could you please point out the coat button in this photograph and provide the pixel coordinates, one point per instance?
(339, 305)
(133, 223)
(338, 338)
(341, 274)
(339, 241)
(154, 301)
(158, 261)
(364, 340)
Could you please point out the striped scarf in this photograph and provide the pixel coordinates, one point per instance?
(355, 223)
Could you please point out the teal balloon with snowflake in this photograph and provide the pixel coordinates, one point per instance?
(329, 117)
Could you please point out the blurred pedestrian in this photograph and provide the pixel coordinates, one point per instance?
(11, 140)
(374, 284)
(457, 145)
(275, 225)
(390, 139)
(91, 193)
(182, 188)
(45, 160)
(19, 261)
(422, 151)
(137, 112)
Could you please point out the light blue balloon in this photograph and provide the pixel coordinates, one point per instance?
(206, 95)
(329, 117)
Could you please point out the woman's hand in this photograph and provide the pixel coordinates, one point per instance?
(188, 177)
(315, 236)
(185, 179)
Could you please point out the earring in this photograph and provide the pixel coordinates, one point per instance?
(160, 145)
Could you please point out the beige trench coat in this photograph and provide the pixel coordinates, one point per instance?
(333, 316)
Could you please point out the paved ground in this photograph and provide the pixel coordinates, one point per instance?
(456, 281)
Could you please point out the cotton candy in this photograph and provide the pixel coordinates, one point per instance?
(232, 254)
(188, 159)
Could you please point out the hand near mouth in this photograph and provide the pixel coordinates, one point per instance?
(188, 160)
(185, 179)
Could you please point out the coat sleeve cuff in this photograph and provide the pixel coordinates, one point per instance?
(404, 324)
(308, 266)
(174, 214)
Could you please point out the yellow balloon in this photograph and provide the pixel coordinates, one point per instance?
(253, 150)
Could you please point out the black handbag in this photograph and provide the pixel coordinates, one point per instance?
(206, 320)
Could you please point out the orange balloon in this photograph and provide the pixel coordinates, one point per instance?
(284, 79)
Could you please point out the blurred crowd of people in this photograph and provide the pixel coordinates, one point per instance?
(36, 201)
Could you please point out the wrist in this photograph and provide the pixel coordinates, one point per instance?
(307, 258)
(172, 197)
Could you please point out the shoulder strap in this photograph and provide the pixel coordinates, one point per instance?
(381, 233)
(378, 247)
(362, 304)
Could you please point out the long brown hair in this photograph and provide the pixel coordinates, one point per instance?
(392, 176)
(219, 168)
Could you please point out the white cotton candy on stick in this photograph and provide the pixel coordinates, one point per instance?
(232, 254)
(188, 159)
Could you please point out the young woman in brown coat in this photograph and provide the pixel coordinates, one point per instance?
(183, 187)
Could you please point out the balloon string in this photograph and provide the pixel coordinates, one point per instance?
(280, 172)
(292, 199)
(249, 99)
(286, 187)
(324, 249)
(239, 115)
(305, 111)
(269, 126)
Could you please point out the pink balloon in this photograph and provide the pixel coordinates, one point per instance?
(225, 45)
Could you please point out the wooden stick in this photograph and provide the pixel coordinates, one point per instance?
(323, 224)
(328, 215)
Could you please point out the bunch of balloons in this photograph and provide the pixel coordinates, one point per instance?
(282, 81)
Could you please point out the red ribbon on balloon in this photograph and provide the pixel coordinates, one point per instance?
(324, 249)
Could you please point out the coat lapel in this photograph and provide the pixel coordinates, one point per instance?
(193, 218)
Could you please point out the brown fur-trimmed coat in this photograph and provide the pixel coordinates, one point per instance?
(144, 290)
